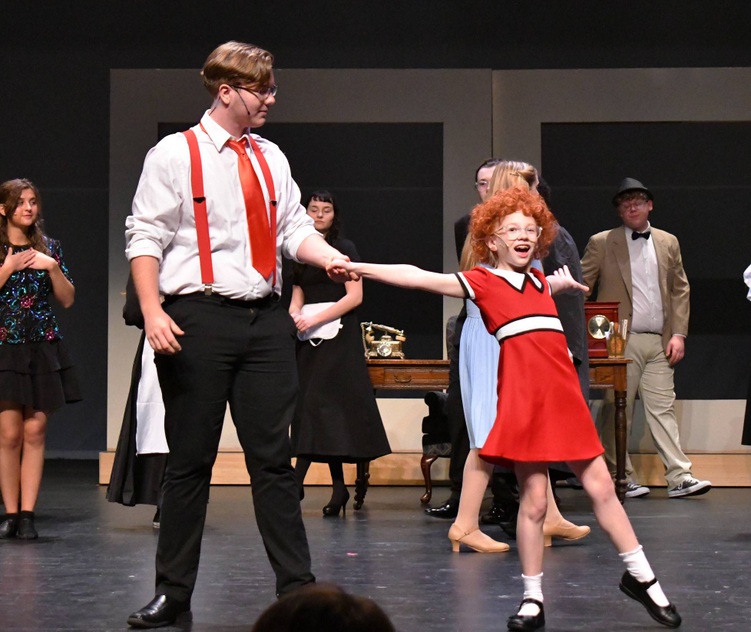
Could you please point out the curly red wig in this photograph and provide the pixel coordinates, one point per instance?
(487, 216)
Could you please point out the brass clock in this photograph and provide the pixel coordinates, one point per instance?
(598, 325)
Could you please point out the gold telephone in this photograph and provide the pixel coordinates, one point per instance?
(385, 347)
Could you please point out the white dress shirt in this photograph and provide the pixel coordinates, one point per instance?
(162, 224)
(645, 285)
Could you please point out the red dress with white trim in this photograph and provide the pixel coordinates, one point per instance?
(542, 415)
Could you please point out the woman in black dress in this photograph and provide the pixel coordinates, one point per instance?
(337, 419)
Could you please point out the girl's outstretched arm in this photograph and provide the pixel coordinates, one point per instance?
(561, 280)
(406, 276)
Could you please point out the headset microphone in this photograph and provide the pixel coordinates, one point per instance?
(242, 100)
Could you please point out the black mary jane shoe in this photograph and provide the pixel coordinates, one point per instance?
(526, 622)
(159, 612)
(9, 527)
(332, 509)
(447, 510)
(667, 615)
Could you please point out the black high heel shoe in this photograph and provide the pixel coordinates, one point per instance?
(332, 509)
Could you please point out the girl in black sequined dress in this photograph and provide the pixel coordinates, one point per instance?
(36, 374)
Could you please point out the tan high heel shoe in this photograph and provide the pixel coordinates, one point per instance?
(475, 540)
(564, 530)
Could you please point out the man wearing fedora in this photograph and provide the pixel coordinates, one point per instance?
(640, 267)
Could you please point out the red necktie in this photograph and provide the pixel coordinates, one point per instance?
(261, 244)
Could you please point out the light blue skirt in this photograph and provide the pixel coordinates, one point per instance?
(478, 376)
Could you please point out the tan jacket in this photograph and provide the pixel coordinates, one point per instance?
(606, 265)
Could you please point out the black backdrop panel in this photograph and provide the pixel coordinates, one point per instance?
(387, 179)
(699, 176)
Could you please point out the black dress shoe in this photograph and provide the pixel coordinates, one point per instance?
(160, 611)
(500, 512)
(26, 529)
(527, 622)
(667, 615)
(447, 510)
(504, 515)
(9, 527)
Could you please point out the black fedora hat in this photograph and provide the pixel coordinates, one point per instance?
(628, 185)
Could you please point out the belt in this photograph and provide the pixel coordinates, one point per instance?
(224, 300)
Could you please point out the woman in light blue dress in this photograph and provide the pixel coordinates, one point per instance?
(478, 375)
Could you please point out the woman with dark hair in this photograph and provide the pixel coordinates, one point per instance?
(337, 419)
(36, 373)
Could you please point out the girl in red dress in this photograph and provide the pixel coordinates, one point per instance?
(542, 416)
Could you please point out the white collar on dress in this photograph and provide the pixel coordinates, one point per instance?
(516, 279)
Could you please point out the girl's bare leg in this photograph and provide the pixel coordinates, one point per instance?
(639, 581)
(533, 501)
(608, 510)
(32, 459)
(11, 441)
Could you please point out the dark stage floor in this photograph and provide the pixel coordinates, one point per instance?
(94, 563)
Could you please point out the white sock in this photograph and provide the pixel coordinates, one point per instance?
(532, 590)
(638, 566)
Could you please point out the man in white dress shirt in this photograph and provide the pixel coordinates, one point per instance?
(641, 268)
(227, 339)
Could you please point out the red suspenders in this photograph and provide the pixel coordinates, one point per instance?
(199, 206)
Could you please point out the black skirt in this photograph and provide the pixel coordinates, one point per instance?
(337, 417)
(39, 375)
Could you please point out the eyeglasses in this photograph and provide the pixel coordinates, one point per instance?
(481, 184)
(514, 233)
(637, 201)
(263, 94)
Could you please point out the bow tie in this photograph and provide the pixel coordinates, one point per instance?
(635, 235)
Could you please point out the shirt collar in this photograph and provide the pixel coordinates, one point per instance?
(629, 231)
(216, 133)
(517, 279)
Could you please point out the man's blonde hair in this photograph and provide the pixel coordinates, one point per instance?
(237, 64)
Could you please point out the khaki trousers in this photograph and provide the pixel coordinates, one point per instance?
(650, 374)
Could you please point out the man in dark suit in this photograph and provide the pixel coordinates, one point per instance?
(457, 424)
(570, 306)
(641, 268)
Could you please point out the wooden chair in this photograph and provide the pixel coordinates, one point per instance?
(436, 439)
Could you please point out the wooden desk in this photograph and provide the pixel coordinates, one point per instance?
(607, 373)
(415, 375)
(433, 375)
(406, 375)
